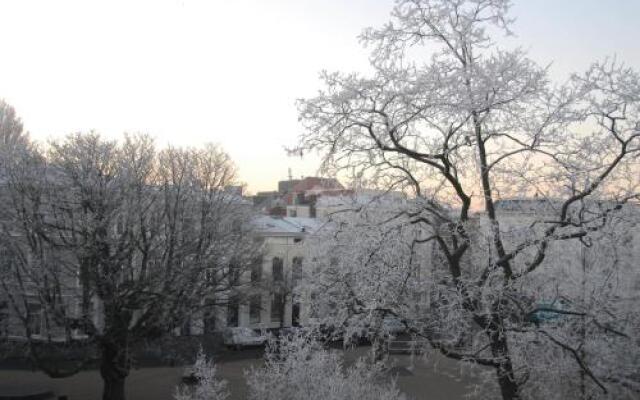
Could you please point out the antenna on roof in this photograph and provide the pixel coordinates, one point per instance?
(290, 174)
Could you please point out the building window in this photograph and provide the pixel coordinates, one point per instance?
(6, 259)
(34, 318)
(232, 312)
(4, 318)
(255, 308)
(120, 225)
(236, 226)
(209, 317)
(234, 272)
(185, 329)
(295, 314)
(210, 276)
(256, 270)
(277, 271)
(296, 270)
(277, 307)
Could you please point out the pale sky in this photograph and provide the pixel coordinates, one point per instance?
(229, 71)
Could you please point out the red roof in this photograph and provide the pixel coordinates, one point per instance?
(320, 186)
(313, 182)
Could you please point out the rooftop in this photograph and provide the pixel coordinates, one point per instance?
(267, 224)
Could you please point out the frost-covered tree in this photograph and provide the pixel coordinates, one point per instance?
(365, 264)
(207, 385)
(11, 129)
(114, 242)
(13, 144)
(461, 124)
(300, 368)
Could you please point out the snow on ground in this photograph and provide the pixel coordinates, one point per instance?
(420, 381)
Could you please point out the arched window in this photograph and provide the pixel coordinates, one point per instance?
(277, 307)
(277, 271)
(255, 308)
(256, 270)
(209, 317)
(296, 269)
(234, 271)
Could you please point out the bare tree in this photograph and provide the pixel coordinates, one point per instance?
(465, 127)
(115, 243)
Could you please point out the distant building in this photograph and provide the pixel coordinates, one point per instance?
(237, 190)
(268, 300)
(285, 187)
(302, 198)
(297, 197)
(535, 205)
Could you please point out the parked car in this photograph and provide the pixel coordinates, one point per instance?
(393, 326)
(321, 333)
(238, 338)
(546, 311)
(292, 331)
(325, 331)
(390, 327)
(407, 346)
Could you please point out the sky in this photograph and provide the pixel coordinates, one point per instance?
(229, 71)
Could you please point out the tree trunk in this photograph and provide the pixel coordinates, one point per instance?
(114, 369)
(377, 349)
(506, 378)
(113, 388)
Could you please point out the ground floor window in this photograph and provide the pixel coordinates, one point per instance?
(296, 270)
(277, 269)
(34, 318)
(185, 329)
(295, 314)
(209, 317)
(277, 307)
(232, 312)
(4, 318)
(255, 308)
